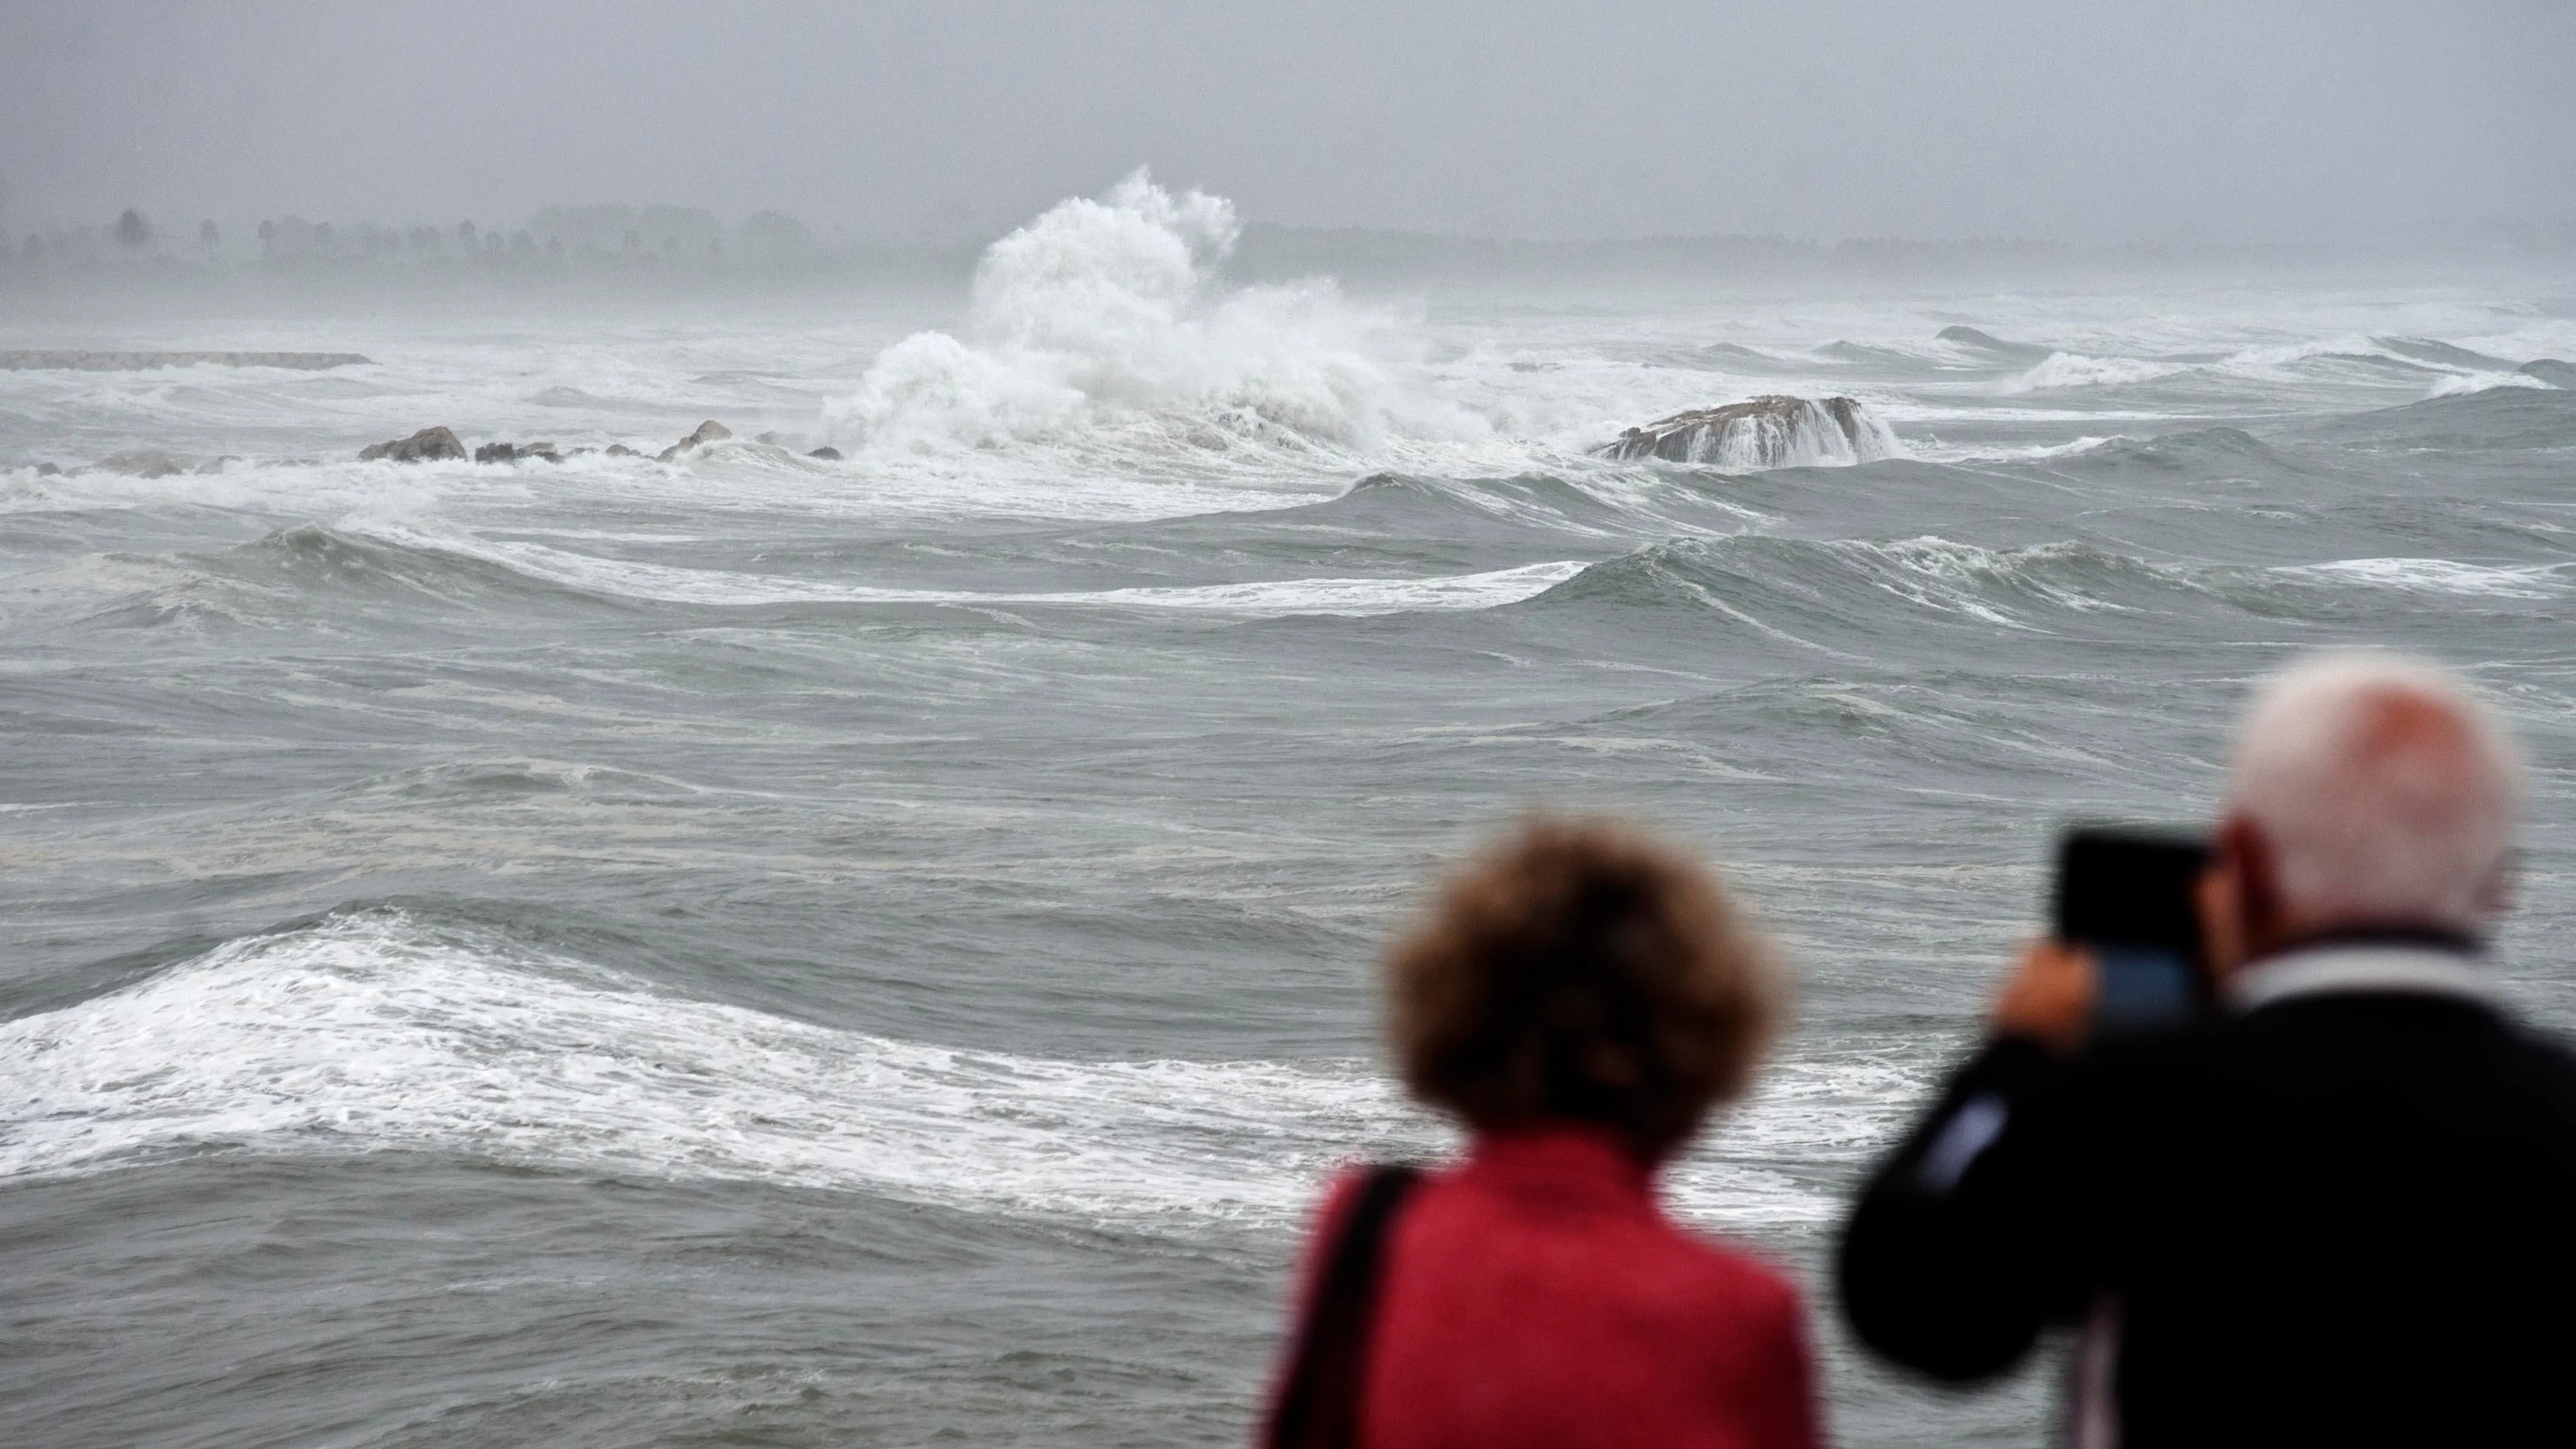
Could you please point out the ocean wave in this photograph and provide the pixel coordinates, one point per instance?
(1403, 506)
(371, 1031)
(663, 583)
(2441, 576)
(1984, 347)
(1833, 595)
(2204, 453)
(1107, 314)
(2462, 383)
(2484, 421)
(2071, 370)
(1788, 586)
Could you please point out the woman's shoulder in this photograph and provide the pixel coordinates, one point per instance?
(1752, 1285)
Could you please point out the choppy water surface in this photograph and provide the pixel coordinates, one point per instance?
(759, 949)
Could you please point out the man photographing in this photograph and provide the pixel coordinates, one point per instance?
(2338, 1209)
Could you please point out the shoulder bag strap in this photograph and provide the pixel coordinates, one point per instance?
(1319, 1405)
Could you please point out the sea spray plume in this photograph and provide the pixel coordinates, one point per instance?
(1105, 314)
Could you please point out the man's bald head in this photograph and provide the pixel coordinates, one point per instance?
(2387, 792)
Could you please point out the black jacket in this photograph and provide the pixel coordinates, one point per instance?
(2344, 1216)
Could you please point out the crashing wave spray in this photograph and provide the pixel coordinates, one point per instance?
(1105, 314)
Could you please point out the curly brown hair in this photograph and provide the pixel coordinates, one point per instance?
(1583, 971)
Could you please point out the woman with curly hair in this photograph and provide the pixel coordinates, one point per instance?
(1579, 999)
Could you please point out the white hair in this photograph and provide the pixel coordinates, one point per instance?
(2388, 792)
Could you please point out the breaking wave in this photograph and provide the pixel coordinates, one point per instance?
(2069, 370)
(1807, 592)
(371, 1032)
(1107, 315)
(663, 583)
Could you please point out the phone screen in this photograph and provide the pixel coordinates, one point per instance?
(2129, 895)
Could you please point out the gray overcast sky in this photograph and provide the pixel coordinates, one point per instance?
(2075, 121)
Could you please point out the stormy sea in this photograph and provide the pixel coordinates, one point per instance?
(721, 944)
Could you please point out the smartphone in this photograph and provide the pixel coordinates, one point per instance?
(2129, 894)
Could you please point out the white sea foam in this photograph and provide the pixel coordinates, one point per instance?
(669, 584)
(2068, 370)
(2443, 576)
(367, 1033)
(2460, 384)
(1107, 315)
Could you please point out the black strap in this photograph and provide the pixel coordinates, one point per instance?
(1319, 1405)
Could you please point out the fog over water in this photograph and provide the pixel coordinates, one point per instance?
(858, 929)
(2095, 123)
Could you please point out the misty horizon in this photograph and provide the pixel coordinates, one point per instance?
(2167, 125)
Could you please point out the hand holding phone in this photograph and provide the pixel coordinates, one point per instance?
(2049, 995)
(2126, 896)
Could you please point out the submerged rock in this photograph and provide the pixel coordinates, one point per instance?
(620, 450)
(1764, 432)
(48, 470)
(2551, 371)
(513, 452)
(426, 444)
(145, 463)
(138, 361)
(707, 432)
(827, 452)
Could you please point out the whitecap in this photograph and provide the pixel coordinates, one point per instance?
(664, 583)
(2070, 370)
(2462, 384)
(2442, 576)
(368, 1033)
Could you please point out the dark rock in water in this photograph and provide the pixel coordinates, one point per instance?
(138, 361)
(620, 450)
(143, 464)
(2551, 371)
(426, 444)
(513, 452)
(47, 470)
(827, 452)
(707, 432)
(1765, 432)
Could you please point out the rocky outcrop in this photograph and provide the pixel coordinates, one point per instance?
(1773, 431)
(49, 470)
(620, 450)
(517, 452)
(2551, 371)
(708, 432)
(139, 361)
(827, 453)
(144, 463)
(427, 444)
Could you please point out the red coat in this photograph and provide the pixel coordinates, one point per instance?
(1536, 1296)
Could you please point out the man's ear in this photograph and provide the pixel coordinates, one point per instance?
(2263, 913)
(2241, 911)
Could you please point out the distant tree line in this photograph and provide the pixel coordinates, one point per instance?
(587, 237)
